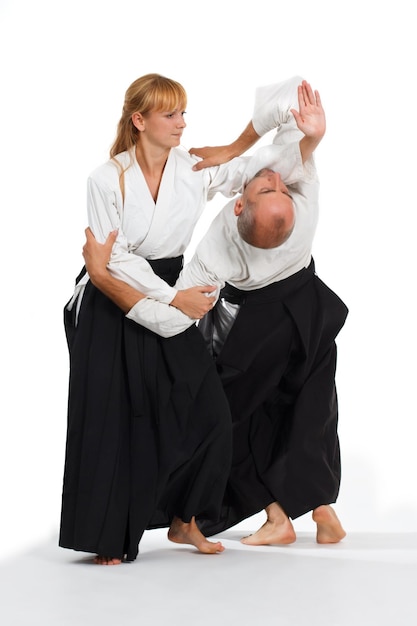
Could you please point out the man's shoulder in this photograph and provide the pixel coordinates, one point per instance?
(224, 225)
(222, 235)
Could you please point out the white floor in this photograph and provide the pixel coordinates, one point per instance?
(368, 579)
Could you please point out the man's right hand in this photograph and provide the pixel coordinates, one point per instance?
(216, 155)
(211, 155)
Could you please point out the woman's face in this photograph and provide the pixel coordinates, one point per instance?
(162, 128)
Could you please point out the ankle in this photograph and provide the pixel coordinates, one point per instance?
(275, 514)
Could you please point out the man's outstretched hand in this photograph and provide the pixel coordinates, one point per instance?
(310, 118)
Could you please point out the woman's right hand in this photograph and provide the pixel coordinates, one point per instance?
(194, 302)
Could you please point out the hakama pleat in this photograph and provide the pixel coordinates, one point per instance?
(278, 370)
(149, 431)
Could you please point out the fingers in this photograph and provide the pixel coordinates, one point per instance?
(308, 93)
(112, 236)
(307, 96)
(201, 165)
(206, 288)
(92, 249)
(207, 307)
(200, 152)
(296, 115)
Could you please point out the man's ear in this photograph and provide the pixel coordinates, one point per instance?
(238, 206)
(138, 121)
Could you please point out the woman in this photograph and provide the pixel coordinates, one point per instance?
(149, 428)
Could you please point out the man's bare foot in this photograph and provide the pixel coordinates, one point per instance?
(180, 532)
(106, 560)
(277, 529)
(329, 528)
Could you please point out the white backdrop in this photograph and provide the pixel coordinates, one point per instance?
(64, 69)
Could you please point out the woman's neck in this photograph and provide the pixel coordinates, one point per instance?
(152, 163)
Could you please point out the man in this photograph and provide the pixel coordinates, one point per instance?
(272, 331)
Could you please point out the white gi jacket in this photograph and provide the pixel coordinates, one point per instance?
(222, 256)
(149, 230)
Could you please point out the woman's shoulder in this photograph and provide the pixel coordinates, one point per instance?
(182, 155)
(112, 168)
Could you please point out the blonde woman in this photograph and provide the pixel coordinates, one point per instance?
(149, 428)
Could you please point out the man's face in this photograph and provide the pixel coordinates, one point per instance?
(266, 190)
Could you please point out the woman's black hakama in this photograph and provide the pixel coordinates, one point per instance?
(149, 428)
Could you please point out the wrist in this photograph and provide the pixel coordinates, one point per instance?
(245, 141)
(175, 300)
(99, 276)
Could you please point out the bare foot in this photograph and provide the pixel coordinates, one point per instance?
(106, 560)
(277, 529)
(329, 528)
(180, 532)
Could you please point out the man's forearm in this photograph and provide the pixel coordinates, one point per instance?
(307, 146)
(162, 319)
(122, 294)
(246, 140)
(310, 119)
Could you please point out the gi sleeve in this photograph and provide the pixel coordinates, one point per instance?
(272, 110)
(273, 104)
(166, 320)
(162, 319)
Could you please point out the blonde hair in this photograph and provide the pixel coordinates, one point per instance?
(151, 92)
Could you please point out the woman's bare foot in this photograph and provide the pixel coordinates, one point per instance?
(106, 560)
(277, 529)
(180, 532)
(329, 528)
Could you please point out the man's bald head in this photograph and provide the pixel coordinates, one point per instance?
(265, 211)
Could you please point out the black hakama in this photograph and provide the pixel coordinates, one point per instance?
(149, 428)
(278, 367)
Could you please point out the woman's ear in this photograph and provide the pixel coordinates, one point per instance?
(138, 121)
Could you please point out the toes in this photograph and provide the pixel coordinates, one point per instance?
(106, 560)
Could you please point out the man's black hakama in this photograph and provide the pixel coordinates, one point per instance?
(149, 428)
(278, 368)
